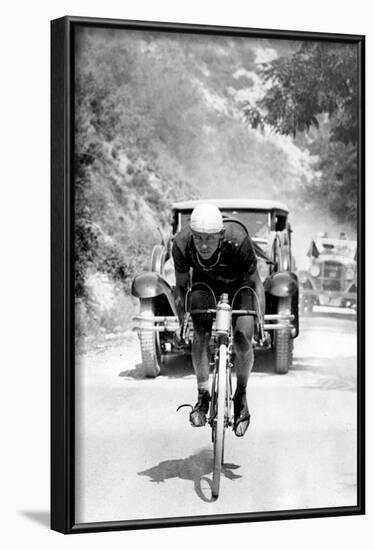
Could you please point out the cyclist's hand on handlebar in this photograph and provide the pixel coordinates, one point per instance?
(261, 308)
(260, 324)
(177, 338)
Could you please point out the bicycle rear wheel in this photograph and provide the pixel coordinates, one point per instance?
(219, 419)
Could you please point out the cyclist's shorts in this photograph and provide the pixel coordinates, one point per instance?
(203, 297)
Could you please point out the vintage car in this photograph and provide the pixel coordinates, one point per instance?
(331, 277)
(267, 223)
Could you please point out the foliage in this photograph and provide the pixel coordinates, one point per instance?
(124, 135)
(318, 79)
(337, 185)
(157, 120)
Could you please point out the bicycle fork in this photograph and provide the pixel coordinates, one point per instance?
(228, 396)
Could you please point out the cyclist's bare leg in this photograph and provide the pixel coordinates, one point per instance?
(243, 362)
(244, 356)
(202, 325)
(200, 359)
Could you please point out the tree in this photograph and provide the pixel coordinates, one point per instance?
(318, 78)
(315, 83)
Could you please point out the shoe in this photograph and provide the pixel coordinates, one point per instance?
(242, 417)
(200, 410)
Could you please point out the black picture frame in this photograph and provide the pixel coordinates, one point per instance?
(62, 277)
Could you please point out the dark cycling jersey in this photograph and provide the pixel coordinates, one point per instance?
(225, 270)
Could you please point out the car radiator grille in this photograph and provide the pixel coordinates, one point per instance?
(331, 276)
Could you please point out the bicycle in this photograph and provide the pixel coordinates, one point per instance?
(221, 406)
(220, 415)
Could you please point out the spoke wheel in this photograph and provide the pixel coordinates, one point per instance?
(149, 342)
(219, 420)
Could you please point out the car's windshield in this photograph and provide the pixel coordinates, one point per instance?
(257, 223)
(340, 247)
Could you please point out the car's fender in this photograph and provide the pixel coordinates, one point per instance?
(158, 258)
(281, 284)
(151, 285)
(352, 288)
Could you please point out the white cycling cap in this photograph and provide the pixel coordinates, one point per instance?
(206, 218)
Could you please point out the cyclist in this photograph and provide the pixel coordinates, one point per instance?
(221, 255)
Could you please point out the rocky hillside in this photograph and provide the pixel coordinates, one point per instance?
(159, 118)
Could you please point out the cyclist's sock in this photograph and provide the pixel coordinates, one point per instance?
(240, 389)
(200, 410)
(203, 386)
(241, 412)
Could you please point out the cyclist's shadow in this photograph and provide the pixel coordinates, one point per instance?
(195, 468)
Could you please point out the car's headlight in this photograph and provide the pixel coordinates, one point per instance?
(315, 270)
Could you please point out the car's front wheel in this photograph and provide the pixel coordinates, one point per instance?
(283, 342)
(149, 342)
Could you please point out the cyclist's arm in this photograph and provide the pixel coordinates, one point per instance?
(255, 281)
(248, 261)
(181, 286)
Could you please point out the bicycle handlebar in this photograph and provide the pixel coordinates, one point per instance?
(233, 311)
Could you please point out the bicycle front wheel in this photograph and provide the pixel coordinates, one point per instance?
(219, 419)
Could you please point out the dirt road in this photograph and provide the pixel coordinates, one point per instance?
(138, 458)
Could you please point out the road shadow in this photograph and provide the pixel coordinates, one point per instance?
(264, 362)
(194, 468)
(173, 366)
(344, 316)
(38, 516)
(177, 365)
(180, 366)
(342, 379)
(137, 373)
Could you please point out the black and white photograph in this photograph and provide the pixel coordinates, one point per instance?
(162, 387)
(216, 198)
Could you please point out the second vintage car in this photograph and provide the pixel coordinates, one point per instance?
(267, 223)
(331, 277)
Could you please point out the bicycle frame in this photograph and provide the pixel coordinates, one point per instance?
(222, 336)
(220, 414)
